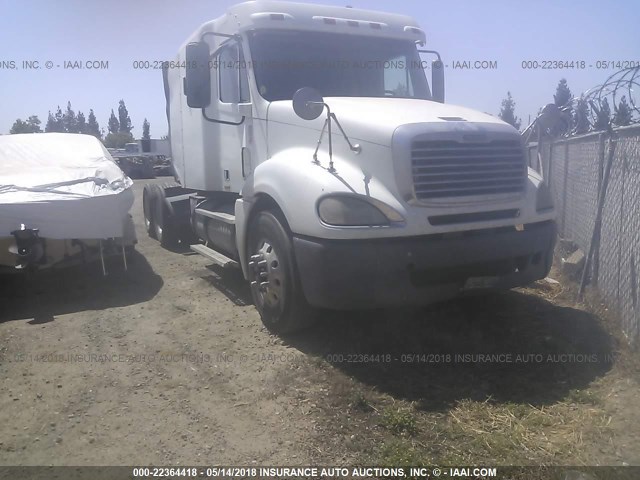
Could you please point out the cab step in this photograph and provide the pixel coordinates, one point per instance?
(215, 256)
(224, 217)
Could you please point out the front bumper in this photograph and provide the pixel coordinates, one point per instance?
(353, 274)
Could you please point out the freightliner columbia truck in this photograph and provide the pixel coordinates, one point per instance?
(312, 152)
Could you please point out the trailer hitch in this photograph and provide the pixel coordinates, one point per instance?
(29, 247)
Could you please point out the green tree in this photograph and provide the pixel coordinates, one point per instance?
(51, 123)
(563, 98)
(19, 126)
(581, 117)
(93, 128)
(118, 139)
(69, 120)
(507, 112)
(145, 143)
(114, 124)
(123, 118)
(603, 115)
(55, 122)
(59, 117)
(623, 114)
(81, 123)
(32, 125)
(563, 94)
(146, 126)
(34, 122)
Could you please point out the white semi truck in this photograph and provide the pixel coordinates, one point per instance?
(312, 152)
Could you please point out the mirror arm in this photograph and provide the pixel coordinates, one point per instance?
(225, 35)
(440, 66)
(354, 148)
(331, 169)
(315, 154)
(327, 125)
(431, 51)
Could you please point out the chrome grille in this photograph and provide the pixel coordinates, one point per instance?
(443, 168)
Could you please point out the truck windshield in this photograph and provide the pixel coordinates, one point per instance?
(337, 65)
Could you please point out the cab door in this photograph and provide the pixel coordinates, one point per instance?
(230, 110)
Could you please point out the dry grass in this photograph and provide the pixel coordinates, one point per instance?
(400, 421)
(525, 434)
(449, 413)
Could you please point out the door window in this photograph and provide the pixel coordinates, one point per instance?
(234, 86)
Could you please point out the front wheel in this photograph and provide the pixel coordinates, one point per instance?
(275, 286)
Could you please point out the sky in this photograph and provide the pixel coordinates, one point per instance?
(121, 32)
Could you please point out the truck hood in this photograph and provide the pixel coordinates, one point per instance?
(375, 119)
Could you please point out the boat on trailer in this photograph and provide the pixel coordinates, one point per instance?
(63, 200)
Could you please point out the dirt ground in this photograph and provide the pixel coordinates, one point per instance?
(169, 364)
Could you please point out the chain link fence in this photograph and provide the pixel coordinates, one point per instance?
(574, 168)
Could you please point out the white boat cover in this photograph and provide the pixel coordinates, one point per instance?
(66, 185)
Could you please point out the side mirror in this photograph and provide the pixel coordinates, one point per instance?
(437, 80)
(308, 103)
(197, 86)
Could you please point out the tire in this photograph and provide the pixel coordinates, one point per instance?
(164, 226)
(171, 185)
(275, 284)
(148, 200)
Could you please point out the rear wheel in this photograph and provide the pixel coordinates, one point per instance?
(147, 207)
(165, 229)
(275, 286)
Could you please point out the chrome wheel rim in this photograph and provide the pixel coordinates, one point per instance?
(268, 276)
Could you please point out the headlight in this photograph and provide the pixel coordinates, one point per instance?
(544, 198)
(345, 210)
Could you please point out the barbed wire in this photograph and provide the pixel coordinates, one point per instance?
(563, 121)
(619, 85)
